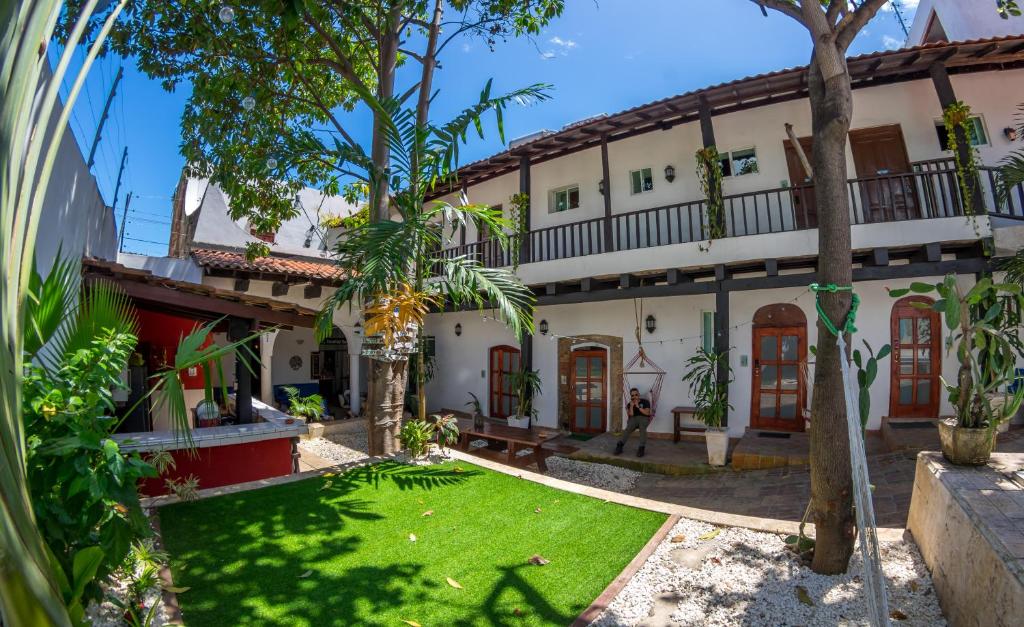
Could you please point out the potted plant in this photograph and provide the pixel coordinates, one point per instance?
(309, 407)
(478, 412)
(525, 385)
(984, 333)
(711, 398)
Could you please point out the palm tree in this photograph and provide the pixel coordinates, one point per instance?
(397, 268)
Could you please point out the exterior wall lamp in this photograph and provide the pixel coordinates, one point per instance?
(358, 329)
(458, 329)
(670, 173)
(543, 327)
(1011, 133)
(651, 324)
(600, 186)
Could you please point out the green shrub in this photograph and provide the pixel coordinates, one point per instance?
(416, 436)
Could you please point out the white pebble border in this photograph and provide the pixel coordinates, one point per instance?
(602, 476)
(749, 578)
(340, 449)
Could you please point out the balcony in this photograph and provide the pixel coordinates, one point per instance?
(929, 191)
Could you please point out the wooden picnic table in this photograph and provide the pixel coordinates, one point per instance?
(515, 439)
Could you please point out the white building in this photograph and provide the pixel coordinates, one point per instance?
(959, 20)
(617, 221)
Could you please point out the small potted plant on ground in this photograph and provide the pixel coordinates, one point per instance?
(986, 342)
(525, 385)
(711, 398)
(309, 407)
(478, 412)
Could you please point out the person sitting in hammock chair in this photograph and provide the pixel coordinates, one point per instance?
(639, 412)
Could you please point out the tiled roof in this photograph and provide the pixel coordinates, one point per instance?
(287, 266)
(143, 284)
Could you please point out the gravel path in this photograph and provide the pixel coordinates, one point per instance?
(602, 476)
(340, 449)
(743, 577)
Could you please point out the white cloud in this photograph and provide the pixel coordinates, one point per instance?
(547, 54)
(891, 43)
(909, 5)
(568, 44)
(466, 47)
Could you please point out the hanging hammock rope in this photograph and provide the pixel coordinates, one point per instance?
(874, 581)
(641, 364)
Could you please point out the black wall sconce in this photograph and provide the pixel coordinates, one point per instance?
(670, 173)
(651, 324)
(600, 186)
(358, 329)
(458, 329)
(543, 327)
(1011, 133)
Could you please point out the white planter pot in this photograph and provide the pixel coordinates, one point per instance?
(718, 445)
(523, 422)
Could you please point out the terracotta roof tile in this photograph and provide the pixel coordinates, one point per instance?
(301, 268)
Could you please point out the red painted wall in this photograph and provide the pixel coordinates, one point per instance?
(163, 332)
(227, 465)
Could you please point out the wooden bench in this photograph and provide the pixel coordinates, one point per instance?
(514, 438)
(677, 416)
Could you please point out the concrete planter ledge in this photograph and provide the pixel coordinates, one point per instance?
(275, 425)
(969, 525)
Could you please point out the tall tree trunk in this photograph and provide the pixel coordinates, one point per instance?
(831, 480)
(380, 155)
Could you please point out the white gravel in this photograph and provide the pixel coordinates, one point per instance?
(747, 577)
(602, 476)
(340, 449)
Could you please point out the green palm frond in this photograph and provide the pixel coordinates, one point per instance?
(1011, 174)
(191, 354)
(48, 303)
(464, 280)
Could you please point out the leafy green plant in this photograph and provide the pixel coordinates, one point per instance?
(710, 397)
(416, 436)
(709, 175)
(957, 120)
(357, 220)
(474, 402)
(981, 332)
(141, 571)
(867, 371)
(311, 407)
(526, 385)
(446, 428)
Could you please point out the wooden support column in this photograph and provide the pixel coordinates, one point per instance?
(609, 244)
(722, 329)
(944, 90)
(240, 328)
(524, 188)
(707, 134)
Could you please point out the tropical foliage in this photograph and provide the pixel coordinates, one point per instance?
(415, 436)
(311, 406)
(526, 385)
(710, 396)
(867, 372)
(984, 333)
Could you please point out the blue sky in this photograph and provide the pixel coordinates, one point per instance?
(602, 56)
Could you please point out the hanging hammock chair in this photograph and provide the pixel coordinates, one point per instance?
(642, 366)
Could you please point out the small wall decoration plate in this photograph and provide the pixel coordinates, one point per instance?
(295, 362)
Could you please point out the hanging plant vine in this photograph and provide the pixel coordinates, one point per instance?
(520, 209)
(709, 174)
(957, 117)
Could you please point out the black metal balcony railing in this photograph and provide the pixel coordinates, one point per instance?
(930, 191)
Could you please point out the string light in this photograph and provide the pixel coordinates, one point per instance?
(248, 103)
(226, 14)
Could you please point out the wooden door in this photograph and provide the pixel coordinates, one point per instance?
(504, 360)
(780, 359)
(880, 156)
(804, 207)
(916, 365)
(589, 389)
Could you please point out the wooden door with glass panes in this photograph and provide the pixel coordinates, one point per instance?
(589, 389)
(780, 357)
(916, 365)
(504, 361)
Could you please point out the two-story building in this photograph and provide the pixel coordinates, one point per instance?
(618, 256)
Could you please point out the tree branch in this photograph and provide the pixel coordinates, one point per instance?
(342, 66)
(852, 23)
(782, 6)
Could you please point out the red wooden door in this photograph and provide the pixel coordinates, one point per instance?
(879, 156)
(504, 361)
(916, 366)
(780, 358)
(805, 208)
(589, 389)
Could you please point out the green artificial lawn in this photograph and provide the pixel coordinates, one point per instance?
(337, 550)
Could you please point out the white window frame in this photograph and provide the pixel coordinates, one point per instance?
(940, 123)
(633, 192)
(707, 339)
(553, 194)
(728, 155)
